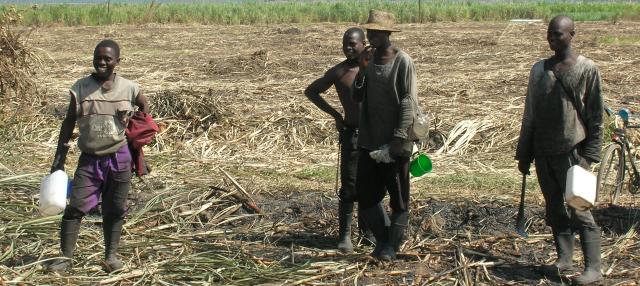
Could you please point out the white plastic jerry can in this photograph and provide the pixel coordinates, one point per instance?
(580, 192)
(53, 193)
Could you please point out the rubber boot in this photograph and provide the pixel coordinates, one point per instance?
(69, 230)
(399, 222)
(590, 241)
(345, 212)
(378, 222)
(366, 236)
(564, 239)
(112, 228)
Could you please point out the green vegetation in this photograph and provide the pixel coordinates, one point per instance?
(318, 11)
(484, 182)
(319, 172)
(619, 40)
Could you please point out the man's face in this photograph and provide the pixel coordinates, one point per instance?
(377, 37)
(105, 61)
(352, 45)
(559, 35)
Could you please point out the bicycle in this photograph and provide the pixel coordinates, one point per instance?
(617, 162)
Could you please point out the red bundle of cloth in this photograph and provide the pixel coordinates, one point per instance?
(140, 131)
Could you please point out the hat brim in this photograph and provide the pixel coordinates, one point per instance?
(373, 26)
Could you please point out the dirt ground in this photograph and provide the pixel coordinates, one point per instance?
(231, 98)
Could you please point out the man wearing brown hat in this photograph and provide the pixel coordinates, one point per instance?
(387, 89)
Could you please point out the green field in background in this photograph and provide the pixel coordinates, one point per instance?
(313, 12)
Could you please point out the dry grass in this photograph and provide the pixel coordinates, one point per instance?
(18, 60)
(232, 97)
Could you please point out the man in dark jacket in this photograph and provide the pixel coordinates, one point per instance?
(386, 86)
(562, 127)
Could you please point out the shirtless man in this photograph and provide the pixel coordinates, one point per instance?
(562, 127)
(341, 76)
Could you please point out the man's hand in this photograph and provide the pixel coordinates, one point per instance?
(57, 165)
(340, 124)
(395, 147)
(524, 166)
(585, 163)
(60, 158)
(365, 56)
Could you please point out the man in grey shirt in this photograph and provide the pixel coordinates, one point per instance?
(387, 88)
(562, 127)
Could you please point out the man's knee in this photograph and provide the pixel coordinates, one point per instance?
(116, 210)
(115, 203)
(347, 194)
(71, 212)
(557, 217)
(583, 219)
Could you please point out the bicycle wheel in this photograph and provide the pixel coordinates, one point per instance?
(610, 175)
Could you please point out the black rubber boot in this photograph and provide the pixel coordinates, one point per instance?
(564, 239)
(399, 222)
(366, 236)
(112, 228)
(590, 241)
(345, 214)
(378, 222)
(69, 230)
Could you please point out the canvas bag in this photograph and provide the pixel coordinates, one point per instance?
(419, 128)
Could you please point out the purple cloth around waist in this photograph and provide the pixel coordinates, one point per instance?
(94, 173)
(99, 166)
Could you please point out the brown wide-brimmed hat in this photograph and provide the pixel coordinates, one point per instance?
(382, 21)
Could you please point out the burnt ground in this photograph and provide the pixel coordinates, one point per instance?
(440, 233)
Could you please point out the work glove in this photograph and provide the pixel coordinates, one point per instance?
(524, 167)
(382, 155)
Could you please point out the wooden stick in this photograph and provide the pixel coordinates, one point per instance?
(235, 183)
(241, 199)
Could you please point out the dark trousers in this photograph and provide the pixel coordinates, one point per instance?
(552, 176)
(348, 164)
(374, 180)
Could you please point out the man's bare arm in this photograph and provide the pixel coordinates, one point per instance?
(319, 86)
(66, 131)
(142, 103)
